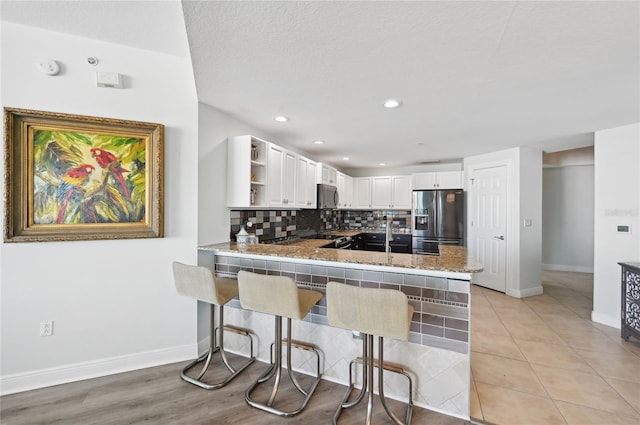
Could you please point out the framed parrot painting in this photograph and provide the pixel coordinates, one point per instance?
(74, 177)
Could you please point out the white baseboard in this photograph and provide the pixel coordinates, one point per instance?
(529, 292)
(31, 380)
(563, 268)
(605, 319)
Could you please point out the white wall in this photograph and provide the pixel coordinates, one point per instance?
(617, 202)
(530, 176)
(113, 302)
(215, 127)
(213, 215)
(567, 214)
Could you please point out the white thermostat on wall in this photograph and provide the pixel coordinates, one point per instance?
(623, 228)
(109, 79)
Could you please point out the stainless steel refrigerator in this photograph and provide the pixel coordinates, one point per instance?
(438, 219)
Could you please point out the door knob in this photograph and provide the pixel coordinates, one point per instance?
(499, 237)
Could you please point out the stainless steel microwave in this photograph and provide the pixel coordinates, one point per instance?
(327, 197)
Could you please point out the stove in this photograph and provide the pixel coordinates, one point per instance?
(341, 242)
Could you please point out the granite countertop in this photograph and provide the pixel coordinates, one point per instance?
(451, 259)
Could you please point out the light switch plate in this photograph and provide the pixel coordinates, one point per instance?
(109, 79)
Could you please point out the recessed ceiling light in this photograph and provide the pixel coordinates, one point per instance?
(282, 118)
(382, 163)
(420, 143)
(318, 142)
(391, 103)
(345, 158)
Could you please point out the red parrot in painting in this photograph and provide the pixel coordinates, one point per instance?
(71, 181)
(108, 160)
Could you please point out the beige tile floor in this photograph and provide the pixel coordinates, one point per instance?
(541, 360)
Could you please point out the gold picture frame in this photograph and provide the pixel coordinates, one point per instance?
(74, 177)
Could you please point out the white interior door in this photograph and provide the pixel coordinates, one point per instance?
(489, 226)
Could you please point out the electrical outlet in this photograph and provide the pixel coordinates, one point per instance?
(46, 328)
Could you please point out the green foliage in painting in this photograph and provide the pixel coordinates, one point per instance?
(88, 178)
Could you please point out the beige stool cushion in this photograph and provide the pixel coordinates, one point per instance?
(277, 295)
(373, 311)
(199, 283)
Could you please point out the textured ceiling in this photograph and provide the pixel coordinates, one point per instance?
(474, 77)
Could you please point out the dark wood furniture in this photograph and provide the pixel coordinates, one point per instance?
(630, 307)
(375, 242)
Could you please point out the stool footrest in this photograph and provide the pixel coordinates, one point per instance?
(390, 366)
(275, 373)
(301, 345)
(237, 330)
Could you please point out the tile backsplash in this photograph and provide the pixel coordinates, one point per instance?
(355, 219)
(276, 224)
(266, 224)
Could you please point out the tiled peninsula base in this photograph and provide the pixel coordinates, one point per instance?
(437, 355)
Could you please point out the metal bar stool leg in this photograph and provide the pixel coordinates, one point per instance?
(279, 296)
(381, 388)
(215, 347)
(370, 302)
(275, 371)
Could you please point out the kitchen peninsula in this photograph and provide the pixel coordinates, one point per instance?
(437, 353)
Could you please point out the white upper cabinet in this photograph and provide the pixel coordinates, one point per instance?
(345, 190)
(348, 192)
(246, 178)
(275, 175)
(391, 192)
(437, 180)
(327, 174)
(281, 177)
(362, 192)
(264, 175)
(289, 179)
(401, 192)
(312, 187)
(306, 183)
(381, 192)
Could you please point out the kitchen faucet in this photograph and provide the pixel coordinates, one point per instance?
(388, 237)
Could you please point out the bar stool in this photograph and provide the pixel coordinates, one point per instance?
(371, 311)
(279, 296)
(199, 283)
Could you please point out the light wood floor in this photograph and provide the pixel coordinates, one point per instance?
(158, 396)
(541, 360)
